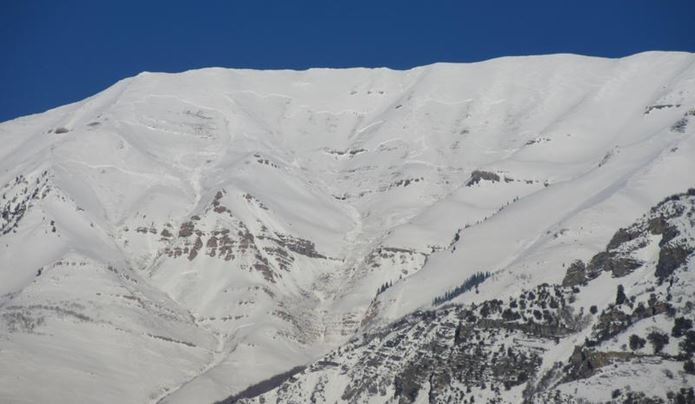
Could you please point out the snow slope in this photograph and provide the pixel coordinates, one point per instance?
(181, 237)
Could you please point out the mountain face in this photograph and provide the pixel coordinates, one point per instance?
(495, 231)
(540, 345)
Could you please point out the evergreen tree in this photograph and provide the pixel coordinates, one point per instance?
(658, 340)
(472, 282)
(620, 297)
(636, 342)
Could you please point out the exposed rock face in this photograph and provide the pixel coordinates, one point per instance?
(611, 262)
(186, 229)
(234, 239)
(673, 253)
(670, 258)
(585, 363)
(299, 246)
(621, 237)
(18, 196)
(479, 175)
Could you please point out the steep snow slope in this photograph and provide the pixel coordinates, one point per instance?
(234, 224)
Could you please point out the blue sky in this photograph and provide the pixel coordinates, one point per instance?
(56, 52)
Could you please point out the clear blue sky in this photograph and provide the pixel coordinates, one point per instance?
(60, 51)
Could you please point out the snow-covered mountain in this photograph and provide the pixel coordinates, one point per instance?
(206, 235)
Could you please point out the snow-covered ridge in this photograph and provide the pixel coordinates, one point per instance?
(274, 214)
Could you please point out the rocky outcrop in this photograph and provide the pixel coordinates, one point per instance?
(670, 258)
(479, 175)
(664, 219)
(576, 274)
(585, 363)
(18, 196)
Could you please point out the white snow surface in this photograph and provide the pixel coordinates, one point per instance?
(324, 184)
